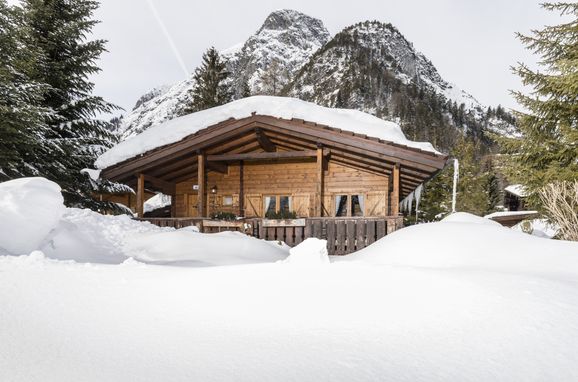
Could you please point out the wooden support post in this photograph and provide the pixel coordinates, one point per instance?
(395, 192)
(174, 205)
(320, 180)
(241, 189)
(201, 183)
(140, 195)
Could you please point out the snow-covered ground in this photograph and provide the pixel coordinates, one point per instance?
(464, 299)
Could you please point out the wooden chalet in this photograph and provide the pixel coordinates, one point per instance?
(334, 180)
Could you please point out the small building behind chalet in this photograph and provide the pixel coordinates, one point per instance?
(268, 159)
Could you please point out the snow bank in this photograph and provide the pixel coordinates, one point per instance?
(311, 251)
(466, 241)
(33, 217)
(281, 107)
(192, 248)
(29, 209)
(86, 236)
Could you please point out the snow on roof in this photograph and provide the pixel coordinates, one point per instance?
(517, 189)
(509, 213)
(281, 107)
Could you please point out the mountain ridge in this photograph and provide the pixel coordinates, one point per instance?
(369, 66)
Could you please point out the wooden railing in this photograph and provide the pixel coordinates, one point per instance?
(343, 235)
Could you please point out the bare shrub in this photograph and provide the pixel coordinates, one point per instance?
(560, 199)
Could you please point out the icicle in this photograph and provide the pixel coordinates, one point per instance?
(455, 189)
(410, 202)
(417, 193)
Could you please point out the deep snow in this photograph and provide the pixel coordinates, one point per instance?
(464, 299)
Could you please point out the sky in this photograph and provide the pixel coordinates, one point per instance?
(471, 43)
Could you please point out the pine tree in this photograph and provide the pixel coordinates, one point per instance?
(21, 115)
(210, 87)
(547, 150)
(245, 89)
(274, 78)
(75, 136)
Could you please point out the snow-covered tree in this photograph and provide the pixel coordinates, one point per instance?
(22, 119)
(274, 78)
(75, 135)
(547, 150)
(210, 87)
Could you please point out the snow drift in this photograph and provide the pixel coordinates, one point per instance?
(29, 209)
(281, 107)
(200, 249)
(466, 241)
(33, 217)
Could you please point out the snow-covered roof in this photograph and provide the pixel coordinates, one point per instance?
(280, 107)
(517, 189)
(509, 213)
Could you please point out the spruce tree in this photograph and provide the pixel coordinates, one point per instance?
(547, 150)
(21, 115)
(75, 135)
(210, 87)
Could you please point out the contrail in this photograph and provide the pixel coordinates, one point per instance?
(168, 37)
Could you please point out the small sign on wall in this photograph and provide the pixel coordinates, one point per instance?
(195, 187)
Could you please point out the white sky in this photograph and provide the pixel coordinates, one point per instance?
(471, 42)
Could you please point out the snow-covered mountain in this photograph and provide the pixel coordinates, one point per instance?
(373, 46)
(369, 66)
(372, 67)
(288, 37)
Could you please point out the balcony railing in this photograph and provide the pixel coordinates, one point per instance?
(343, 235)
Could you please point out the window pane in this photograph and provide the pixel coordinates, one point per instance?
(270, 205)
(341, 205)
(356, 205)
(284, 204)
(227, 200)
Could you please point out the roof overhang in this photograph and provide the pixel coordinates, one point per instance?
(176, 162)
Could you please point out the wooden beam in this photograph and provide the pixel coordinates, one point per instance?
(201, 183)
(202, 139)
(167, 188)
(264, 141)
(241, 188)
(263, 156)
(400, 154)
(218, 167)
(140, 195)
(395, 192)
(320, 180)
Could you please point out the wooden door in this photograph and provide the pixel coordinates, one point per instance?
(253, 205)
(301, 203)
(376, 203)
(192, 206)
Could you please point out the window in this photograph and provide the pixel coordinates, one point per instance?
(278, 206)
(341, 205)
(349, 205)
(357, 205)
(227, 200)
(284, 204)
(270, 205)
